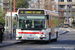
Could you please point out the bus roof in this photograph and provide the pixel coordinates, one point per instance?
(46, 12)
(30, 9)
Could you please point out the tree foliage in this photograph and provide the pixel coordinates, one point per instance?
(14, 22)
(54, 22)
(2, 16)
(73, 23)
(21, 4)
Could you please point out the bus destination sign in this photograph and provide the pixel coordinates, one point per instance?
(31, 11)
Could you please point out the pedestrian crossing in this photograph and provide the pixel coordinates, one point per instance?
(68, 29)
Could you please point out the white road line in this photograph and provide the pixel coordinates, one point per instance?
(68, 30)
(73, 29)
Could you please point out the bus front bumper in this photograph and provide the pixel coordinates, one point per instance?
(31, 39)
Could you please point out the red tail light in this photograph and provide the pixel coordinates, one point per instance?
(40, 32)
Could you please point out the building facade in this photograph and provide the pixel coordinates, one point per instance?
(48, 5)
(65, 6)
(4, 4)
(33, 4)
(43, 4)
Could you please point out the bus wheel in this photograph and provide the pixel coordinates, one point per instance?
(56, 36)
(55, 39)
(47, 42)
(22, 41)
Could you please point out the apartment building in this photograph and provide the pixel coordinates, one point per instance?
(33, 4)
(65, 4)
(48, 5)
(4, 4)
(43, 4)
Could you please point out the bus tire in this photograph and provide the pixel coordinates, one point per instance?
(47, 42)
(22, 41)
(55, 39)
(56, 36)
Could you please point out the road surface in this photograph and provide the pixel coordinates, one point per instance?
(66, 41)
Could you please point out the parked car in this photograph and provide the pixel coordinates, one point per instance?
(66, 25)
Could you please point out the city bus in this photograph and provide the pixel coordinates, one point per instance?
(34, 25)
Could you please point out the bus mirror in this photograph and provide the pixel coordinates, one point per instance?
(47, 17)
(15, 16)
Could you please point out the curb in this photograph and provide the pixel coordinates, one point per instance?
(64, 32)
(10, 44)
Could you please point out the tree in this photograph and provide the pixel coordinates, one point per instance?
(2, 16)
(73, 23)
(21, 4)
(54, 22)
(14, 22)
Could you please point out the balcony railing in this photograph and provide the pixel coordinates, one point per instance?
(6, 6)
(5, 1)
(62, 3)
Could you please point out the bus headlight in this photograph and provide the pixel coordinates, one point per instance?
(17, 35)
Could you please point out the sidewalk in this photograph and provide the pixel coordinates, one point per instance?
(61, 31)
(8, 42)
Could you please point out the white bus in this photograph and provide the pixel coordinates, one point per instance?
(34, 25)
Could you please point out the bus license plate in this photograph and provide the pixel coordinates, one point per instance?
(30, 38)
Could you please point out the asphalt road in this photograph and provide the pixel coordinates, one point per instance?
(66, 41)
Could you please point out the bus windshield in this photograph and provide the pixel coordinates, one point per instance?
(31, 22)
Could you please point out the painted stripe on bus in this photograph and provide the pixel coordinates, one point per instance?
(28, 32)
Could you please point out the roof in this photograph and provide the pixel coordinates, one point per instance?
(8, 14)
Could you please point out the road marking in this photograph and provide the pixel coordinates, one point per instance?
(73, 30)
(68, 30)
